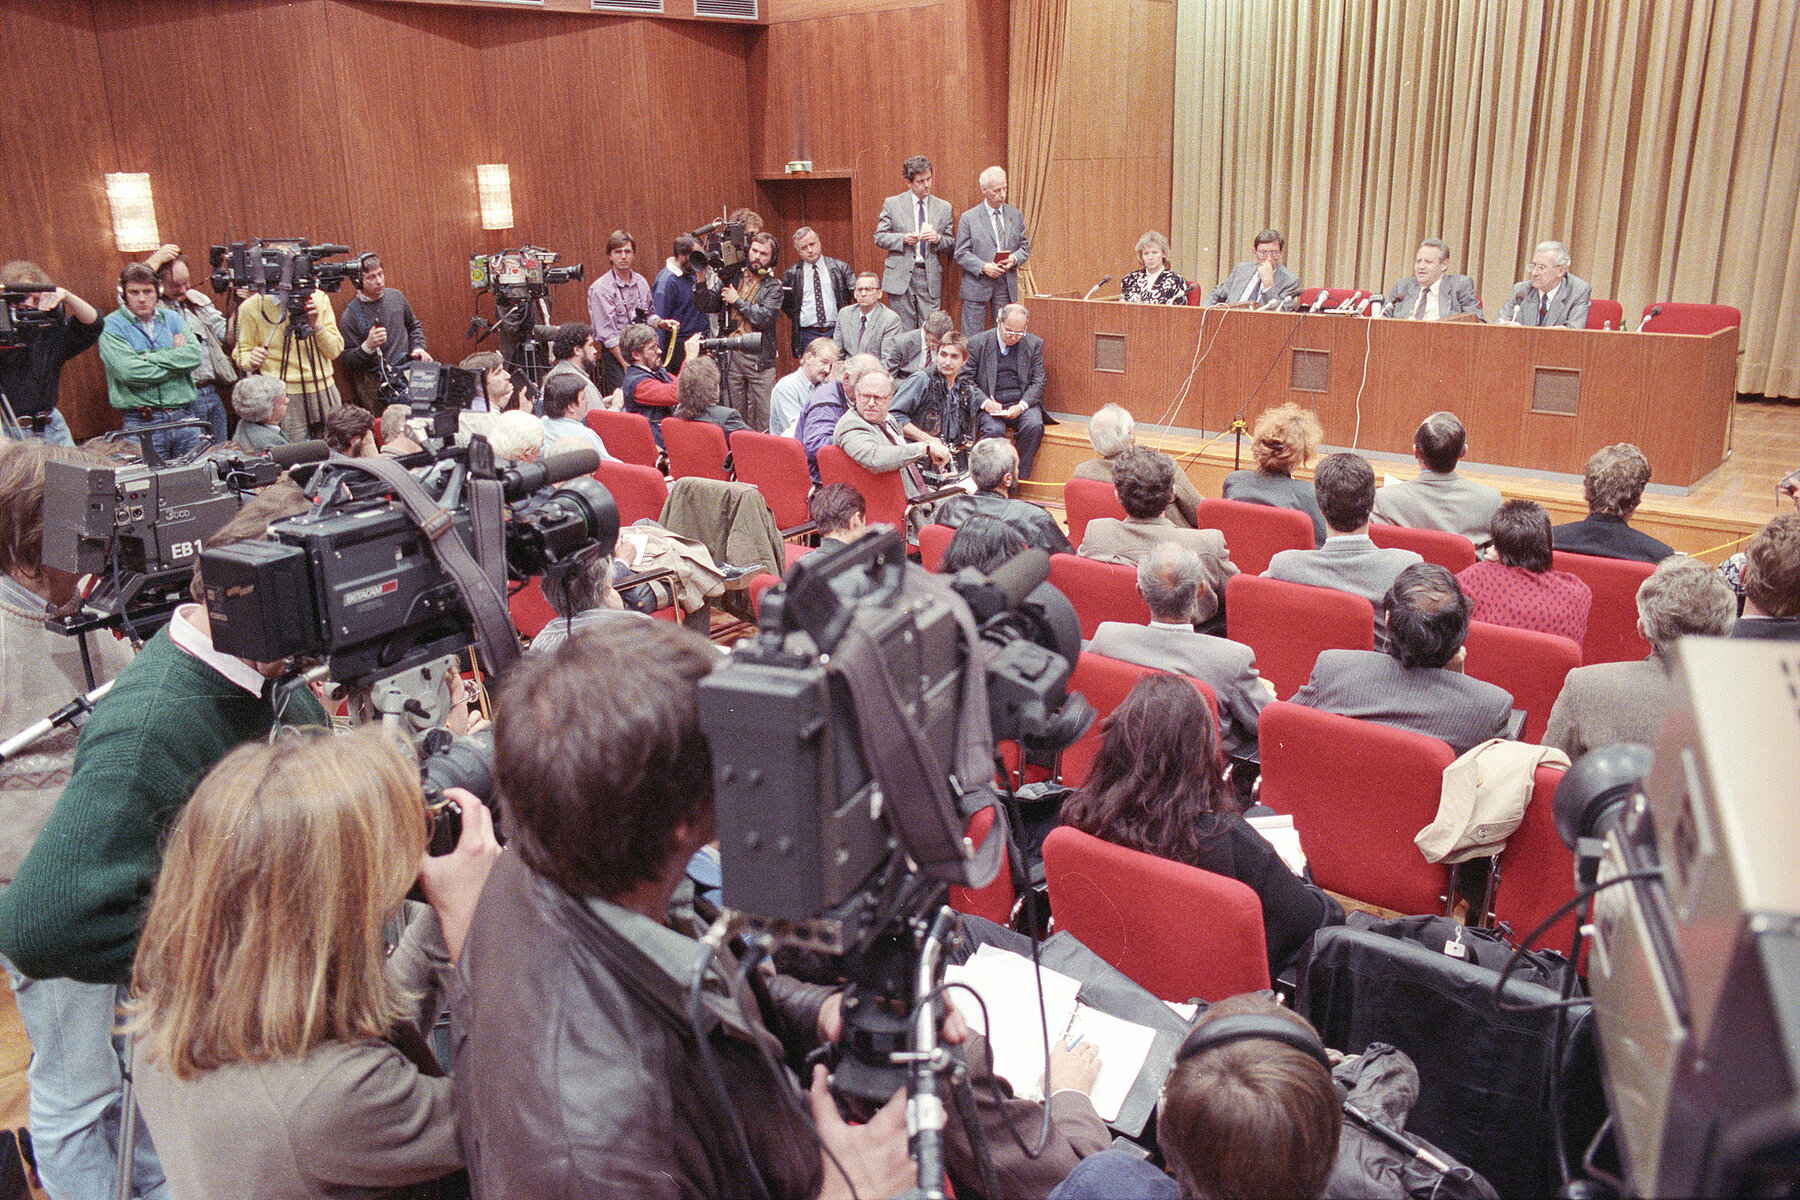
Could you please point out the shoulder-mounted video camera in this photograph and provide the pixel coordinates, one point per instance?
(20, 318)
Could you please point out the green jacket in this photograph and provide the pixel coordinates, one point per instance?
(148, 371)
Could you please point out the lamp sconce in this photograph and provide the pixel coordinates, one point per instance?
(133, 211)
(493, 187)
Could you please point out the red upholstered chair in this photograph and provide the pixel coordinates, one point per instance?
(1106, 682)
(627, 435)
(1529, 664)
(695, 448)
(1536, 871)
(1255, 533)
(1085, 499)
(1612, 632)
(761, 582)
(777, 467)
(933, 541)
(884, 493)
(996, 900)
(1358, 792)
(1601, 312)
(1100, 591)
(1452, 551)
(638, 491)
(1174, 929)
(1677, 317)
(1287, 624)
(530, 611)
(1196, 294)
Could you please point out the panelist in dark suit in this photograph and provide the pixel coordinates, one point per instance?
(1432, 293)
(991, 246)
(1260, 280)
(1551, 296)
(915, 230)
(1009, 368)
(813, 290)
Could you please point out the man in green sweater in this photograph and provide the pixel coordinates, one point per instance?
(150, 361)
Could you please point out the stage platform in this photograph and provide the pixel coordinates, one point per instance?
(1716, 516)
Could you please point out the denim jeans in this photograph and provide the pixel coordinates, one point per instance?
(76, 1079)
(170, 443)
(211, 409)
(56, 431)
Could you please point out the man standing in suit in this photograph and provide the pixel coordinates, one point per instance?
(1439, 498)
(868, 326)
(991, 246)
(1261, 280)
(1169, 580)
(1419, 683)
(1145, 482)
(1009, 369)
(1551, 296)
(1348, 561)
(1432, 293)
(813, 290)
(914, 228)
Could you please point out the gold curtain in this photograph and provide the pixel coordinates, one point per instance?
(1660, 139)
(1034, 86)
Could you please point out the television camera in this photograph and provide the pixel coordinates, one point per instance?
(288, 268)
(520, 282)
(20, 317)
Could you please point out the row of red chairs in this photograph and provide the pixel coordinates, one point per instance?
(1661, 316)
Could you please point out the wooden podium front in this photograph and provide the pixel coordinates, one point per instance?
(1540, 400)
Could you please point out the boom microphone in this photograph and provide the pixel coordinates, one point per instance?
(526, 478)
(300, 452)
(1104, 280)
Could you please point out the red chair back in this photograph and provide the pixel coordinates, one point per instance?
(638, 491)
(1359, 793)
(1176, 930)
(1529, 664)
(1106, 682)
(530, 611)
(1606, 314)
(933, 541)
(1255, 533)
(1196, 294)
(1287, 624)
(777, 467)
(1452, 551)
(1085, 499)
(695, 448)
(627, 435)
(884, 494)
(1334, 297)
(1100, 591)
(1677, 317)
(1537, 872)
(1612, 632)
(995, 901)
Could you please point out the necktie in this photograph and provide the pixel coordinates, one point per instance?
(1543, 306)
(995, 214)
(1255, 291)
(1419, 312)
(818, 292)
(863, 332)
(919, 246)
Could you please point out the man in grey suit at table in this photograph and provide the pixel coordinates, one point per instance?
(1432, 293)
(991, 246)
(914, 228)
(1009, 369)
(1262, 279)
(1551, 296)
(868, 326)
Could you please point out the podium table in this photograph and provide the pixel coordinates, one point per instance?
(1540, 400)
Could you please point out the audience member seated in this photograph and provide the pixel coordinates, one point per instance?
(1732, 569)
(575, 353)
(577, 1073)
(1111, 432)
(1145, 483)
(1437, 497)
(947, 404)
(789, 395)
(1348, 561)
(566, 404)
(495, 395)
(1613, 483)
(994, 468)
(697, 397)
(840, 512)
(649, 390)
(282, 1050)
(1155, 281)
(517, 437)
(581, 595)
(260, 402)
(396, 438)
(1169, 580)
(1419, 683)
(1515, 584)
(1008, 365)
(1245, 1117)
(1156, 787)
(982, 543)
(1284, 438)
(876, 441)
(828, 404)
(1625, 701)
(917, 351)
(1772, 582)
(350, 431)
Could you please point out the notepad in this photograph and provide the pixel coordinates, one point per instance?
(1281, 834)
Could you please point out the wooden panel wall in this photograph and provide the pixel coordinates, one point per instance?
(361, 123)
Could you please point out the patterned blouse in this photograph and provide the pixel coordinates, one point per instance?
(1547, 601)
(1166, 288)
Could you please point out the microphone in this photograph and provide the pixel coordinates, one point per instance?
(1319, 301)
(1104, 280)
(1271, 304)
(521, 481)
(1019, 575)
(1655, 311)
(1372, 305)
(300, 452)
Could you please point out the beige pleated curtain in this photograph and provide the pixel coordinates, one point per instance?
(1659, 138)
(1038, 33)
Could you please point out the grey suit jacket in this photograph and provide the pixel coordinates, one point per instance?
(1570, 307)
(909, 354)
(899, 217)
(1372, 686)
(984, 360)
(881, 340)
(1183, 510)
(1457, 295)
(867, 445)
(1434, 501)
(975, 247)
(1125, 541)
(1227, 667)
(1286, 284)
(1349, 562)
(1610, 702)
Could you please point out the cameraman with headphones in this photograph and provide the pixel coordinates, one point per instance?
(378, 326)
(29, 374)
(753, 302)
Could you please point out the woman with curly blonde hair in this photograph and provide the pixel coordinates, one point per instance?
(1284, 438)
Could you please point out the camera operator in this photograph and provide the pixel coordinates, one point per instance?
(577, 1068)
(30, 374)
(150, 359)
(619, 298)
(206, 325)
(378, 324)
(752, 303)
(683, 293)
(268, 345)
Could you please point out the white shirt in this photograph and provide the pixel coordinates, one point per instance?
(198, 642)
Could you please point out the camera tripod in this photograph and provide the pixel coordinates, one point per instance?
(300, 346)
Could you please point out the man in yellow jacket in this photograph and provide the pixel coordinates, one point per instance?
(268, 345)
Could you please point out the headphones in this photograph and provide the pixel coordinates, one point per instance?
(1252, 1025)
